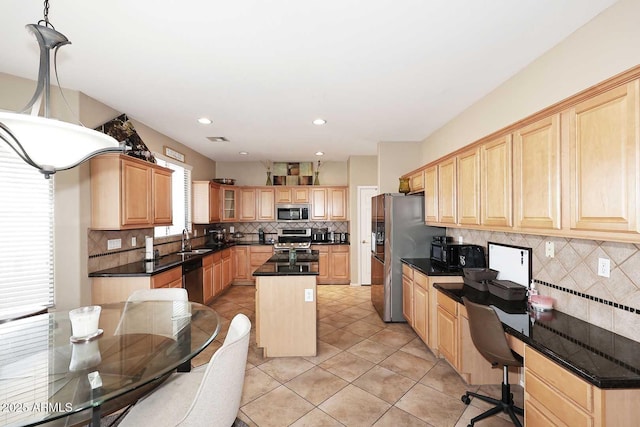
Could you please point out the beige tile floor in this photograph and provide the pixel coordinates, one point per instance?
(366, 372)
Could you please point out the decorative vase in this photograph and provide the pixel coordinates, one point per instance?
(404, 186)
(316, 181)
(269, 179)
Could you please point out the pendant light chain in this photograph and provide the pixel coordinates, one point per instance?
(45, 21)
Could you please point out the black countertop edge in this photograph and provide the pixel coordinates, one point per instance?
(424, 266)
(279, 265)
(164, 263)
(601, 381)
(330, 243)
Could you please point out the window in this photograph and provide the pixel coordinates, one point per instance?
(26, 237)
(181, 197)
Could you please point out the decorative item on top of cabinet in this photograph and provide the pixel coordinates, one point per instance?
(206, 202)
(603, 142)
(536, 175)
(403, 187)
(496, 185)
(129, 193)
(447, 186)
(469, 187)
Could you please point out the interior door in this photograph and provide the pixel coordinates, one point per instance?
(365, 193)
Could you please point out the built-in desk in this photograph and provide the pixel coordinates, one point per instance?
(575, 373)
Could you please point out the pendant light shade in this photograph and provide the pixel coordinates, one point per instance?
(47, 144)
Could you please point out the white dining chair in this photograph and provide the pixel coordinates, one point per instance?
(207, 396)
(175, 317)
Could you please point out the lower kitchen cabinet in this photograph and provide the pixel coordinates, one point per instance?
(168, 279)
(333, 264)
(207, 278)
(227, 277)
(241, 263)
(106, 290)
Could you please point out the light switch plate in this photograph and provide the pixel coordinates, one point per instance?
(604, 267)
(549, 250)
(308, 295)
(134, 242)
(114, 244)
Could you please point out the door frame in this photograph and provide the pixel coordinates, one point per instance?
(360, 256)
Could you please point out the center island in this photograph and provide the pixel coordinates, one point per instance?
(286, 306)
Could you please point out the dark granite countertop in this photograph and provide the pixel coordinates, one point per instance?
(306, 264)
(164, 263)
(424, 266)
(601, 357)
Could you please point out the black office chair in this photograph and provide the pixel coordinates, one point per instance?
(487, 335)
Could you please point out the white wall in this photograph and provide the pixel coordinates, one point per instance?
(602, 48)
(394, 160)
(255, 173)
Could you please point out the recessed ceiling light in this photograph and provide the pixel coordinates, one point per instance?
(319, 122)
(319, 153)
(204, 121)
(243, 153)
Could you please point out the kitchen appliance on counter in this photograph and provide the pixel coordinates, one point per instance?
(397, 231)
(320, 235)
(293, 238)
(216, 236)
(456, 256)
(292, 212)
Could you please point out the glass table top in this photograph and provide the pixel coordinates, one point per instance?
(44, 376)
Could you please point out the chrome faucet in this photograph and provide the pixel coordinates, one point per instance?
(186, 242)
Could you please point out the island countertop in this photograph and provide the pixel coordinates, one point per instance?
(305, 264)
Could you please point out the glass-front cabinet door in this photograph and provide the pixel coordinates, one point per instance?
(229, 210)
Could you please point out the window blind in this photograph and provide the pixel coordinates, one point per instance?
(26, 237)
(181, 197)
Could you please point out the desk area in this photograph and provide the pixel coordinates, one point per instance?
(44, 377)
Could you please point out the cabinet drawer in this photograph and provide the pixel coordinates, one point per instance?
(207, 261)
(539, 417)
(407, 271)
(447, 304)
(163, 279)
(577, 390)
(555, 402)
(420, 280)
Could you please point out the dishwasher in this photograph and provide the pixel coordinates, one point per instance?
(192, 279)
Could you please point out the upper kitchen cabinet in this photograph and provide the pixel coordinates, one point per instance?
(536, 175)
(496, 183)
(247, 198)
(206, 202)
(603, 150)
(292, 195)
(128, 193)
(328, 203)
(469, 187)
(447, 190)
(416, 182)
(257, 204)
(431, 194)
(229, 197)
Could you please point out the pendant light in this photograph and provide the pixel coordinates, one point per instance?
(47, 144)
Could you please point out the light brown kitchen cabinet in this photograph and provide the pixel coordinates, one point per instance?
(416, 182)
(217, 276)
(337, 197)
(228, 198)
(292, 195)
(247, 204)
(469, 187)
(227, 277)
(129, 193)
(333, 264)
(167, 279)
(208, 290)
(536, 175)
(206, 202)
(241, 263)
(431, 195)
(258, 255)
(265, 200)
(407, 298)
(447, 191)
(319, 201)
(496, 186)
(603, 148)
(448, 329)
(420, 305)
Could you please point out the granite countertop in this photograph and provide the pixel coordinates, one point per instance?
(601, 357)
(424, 266)
(306, 264)
(164, 263)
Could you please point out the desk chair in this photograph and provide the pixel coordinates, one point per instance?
(487, 335)
(204, 397)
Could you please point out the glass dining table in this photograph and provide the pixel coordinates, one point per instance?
(45, 378)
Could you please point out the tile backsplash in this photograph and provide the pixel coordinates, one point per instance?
(571, 278)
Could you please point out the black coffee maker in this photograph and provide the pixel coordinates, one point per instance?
(319, 235)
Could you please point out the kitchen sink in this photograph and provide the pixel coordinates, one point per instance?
(195, 251)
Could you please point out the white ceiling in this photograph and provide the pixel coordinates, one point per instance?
(377, 70)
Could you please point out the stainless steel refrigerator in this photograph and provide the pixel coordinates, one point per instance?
(397, 231)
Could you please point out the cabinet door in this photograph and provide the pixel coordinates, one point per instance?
(496, 191)
(283, 195)
(300, 195)
(447, 336)
(603, 155)
(339, 264)
(469, 187)
(407, 299)
(266, 206)
(536, 175)
(323, 264)
(162, 197)
(420, 304)
(247, 204)
(241, 262)
(217, 277)
(319, 204)
(207, 282)
(168, 279)
(136, 193)
(416, 182)
(338, 204)
(431, 195)
(229, 206)
(226, 272)
(447, 185)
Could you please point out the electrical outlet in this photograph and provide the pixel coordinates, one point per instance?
(549, 249)
(604, 267)
(232, 229)
(308, 295)
(114, 244)
(460, 239)
(134, 242)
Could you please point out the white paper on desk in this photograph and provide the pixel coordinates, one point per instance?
(511, 262)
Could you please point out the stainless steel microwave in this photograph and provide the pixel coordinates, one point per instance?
(292, 212)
